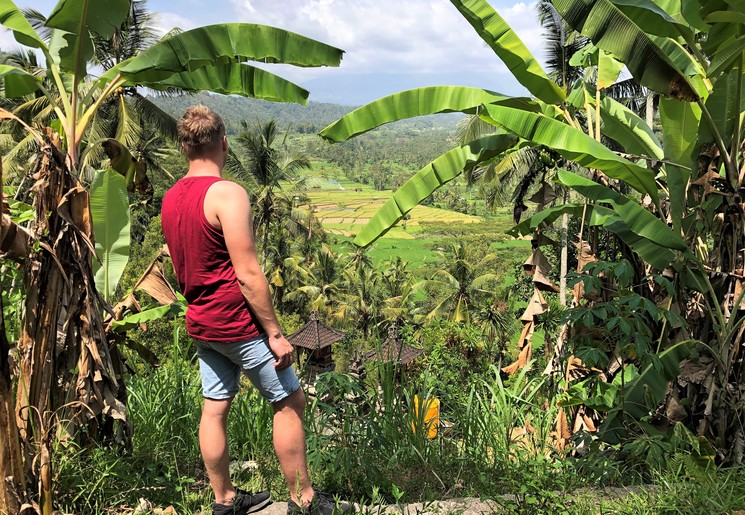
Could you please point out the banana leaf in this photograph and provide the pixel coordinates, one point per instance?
(624, 126)
(683, 11)
(427, 180)
(226, 43)
(148, 315)
(639, 220)
(546, 217)
(610, 29)
(75, 20)
(417, 102)
(726, 17)
(509, 47)
(233, 79)
(726, 57)
(571, 143)
(599, 216)
(608, 68)
(723, 106)
(16, 82)
(652, 18)
(79, 16)
(643, 393)
(12, 18)
(680, 126)
(110, 212)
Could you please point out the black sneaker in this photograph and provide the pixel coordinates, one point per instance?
(243, 503)
(321, 504)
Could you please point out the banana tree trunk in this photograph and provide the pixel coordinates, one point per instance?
(12, 479)
(564, 258)
(650, 110)
(68, 376)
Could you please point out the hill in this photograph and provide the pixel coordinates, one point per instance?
(303, 119)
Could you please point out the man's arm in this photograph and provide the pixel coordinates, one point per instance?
(233, 212)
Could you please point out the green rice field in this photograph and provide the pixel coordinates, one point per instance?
(344, 207)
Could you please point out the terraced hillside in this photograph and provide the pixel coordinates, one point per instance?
(344, 207)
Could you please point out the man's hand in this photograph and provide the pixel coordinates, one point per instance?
(282, 350)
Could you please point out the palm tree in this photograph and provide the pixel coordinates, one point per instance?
(398, 293)
(459, 284)
(497, 323)
(321, 283)
(265, 168)
(363, 297)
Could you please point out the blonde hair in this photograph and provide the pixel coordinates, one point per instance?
(200, 131)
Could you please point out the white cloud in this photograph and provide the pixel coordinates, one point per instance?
(391, 36)
(7, 41)
(165, 21)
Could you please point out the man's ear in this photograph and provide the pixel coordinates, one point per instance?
(224, 142)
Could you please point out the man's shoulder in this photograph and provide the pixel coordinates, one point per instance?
(227, 190)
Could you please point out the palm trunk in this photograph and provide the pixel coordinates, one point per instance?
(63, 330)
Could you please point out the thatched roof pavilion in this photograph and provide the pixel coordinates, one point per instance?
(393, 349)
(315, 340)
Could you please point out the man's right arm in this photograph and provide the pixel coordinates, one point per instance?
(233, 212)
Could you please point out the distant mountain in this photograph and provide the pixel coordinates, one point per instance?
(361, 88)
(305, 119)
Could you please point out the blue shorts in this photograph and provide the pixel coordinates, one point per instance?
(221, 364)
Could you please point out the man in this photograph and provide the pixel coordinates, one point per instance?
(207, 225)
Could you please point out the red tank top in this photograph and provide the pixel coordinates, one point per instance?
(218, 311)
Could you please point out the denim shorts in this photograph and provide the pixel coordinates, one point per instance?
(221, 364)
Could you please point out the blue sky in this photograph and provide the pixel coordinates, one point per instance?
(390, 45)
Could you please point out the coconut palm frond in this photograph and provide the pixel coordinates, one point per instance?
(30, 108)
(155, 117)
(235, 169)
(22, 58)
(129, 39)
(18, 158)
(629, 93)
(39, 22)
(129, 128)
(562, 42)
(472, 127)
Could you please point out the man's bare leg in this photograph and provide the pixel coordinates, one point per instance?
(289, 444)
(213, 442)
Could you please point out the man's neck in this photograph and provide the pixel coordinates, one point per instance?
(203, 168)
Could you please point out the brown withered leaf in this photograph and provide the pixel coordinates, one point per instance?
(74, 208)
(15, 241)
(674, 412)
(713, 184)
(525, 343)
(522, 360)
(154, 283)
(536, 306)
(544, 196)
(538, 266)
(695, 371)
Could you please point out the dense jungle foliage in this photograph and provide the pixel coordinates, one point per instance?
(566, 269)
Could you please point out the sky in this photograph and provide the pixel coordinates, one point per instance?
(390, 45)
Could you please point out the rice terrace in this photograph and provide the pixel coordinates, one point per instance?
(316, 257)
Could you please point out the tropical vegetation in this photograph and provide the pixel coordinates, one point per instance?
(635, 380)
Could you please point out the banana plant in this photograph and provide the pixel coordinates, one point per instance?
(549, 118)
(684, 213)
(61, 288)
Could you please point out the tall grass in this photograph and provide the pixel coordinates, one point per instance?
(365, 443)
